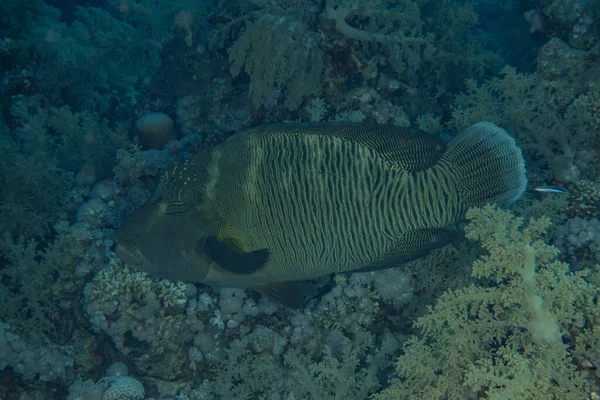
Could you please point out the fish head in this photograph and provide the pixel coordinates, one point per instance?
(165, 237)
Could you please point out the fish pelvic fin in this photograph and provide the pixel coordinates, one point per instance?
(290, 294)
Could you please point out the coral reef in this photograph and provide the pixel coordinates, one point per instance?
(501, 315)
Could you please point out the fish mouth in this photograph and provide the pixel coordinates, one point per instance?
(130, 255)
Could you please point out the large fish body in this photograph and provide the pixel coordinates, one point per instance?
(292, 203)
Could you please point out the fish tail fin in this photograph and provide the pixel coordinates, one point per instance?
(488, 164)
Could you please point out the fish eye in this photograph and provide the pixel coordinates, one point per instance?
(162, 207)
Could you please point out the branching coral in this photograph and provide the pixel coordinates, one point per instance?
(397, 25)
(510, 334)
(341, 11)
(420, 41)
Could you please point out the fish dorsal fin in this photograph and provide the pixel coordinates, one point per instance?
(290, 294)
(408, 149)
(229, 256)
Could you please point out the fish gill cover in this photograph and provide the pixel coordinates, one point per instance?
(102, 103)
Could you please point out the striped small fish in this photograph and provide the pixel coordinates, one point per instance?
(282, 204)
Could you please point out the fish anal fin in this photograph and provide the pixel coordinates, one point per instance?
(232, 259)
(290, 294)
(412, 245)
(424, 240)
(393, 261)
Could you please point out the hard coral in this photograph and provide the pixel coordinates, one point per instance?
(581, 239)
(121, 388)
(584, 200)
(117, 387)
(574, 20)
(155, 130)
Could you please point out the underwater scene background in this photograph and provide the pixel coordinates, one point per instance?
(99, 98)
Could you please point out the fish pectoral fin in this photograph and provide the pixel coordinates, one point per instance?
(290, 294)
(232, 259)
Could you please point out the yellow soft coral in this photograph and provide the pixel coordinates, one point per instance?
(509, 335)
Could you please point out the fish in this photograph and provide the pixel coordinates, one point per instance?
(550, 189)
(276, 206)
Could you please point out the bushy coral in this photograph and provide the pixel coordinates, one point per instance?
(61, 57)
(35, 276)
(33, 190)
(42, 153)
(512, 333)
(407, 23)
(162, 20)
(33, 361)
(330, 350)
(513, 101)
(279, 54)
(75, 139)
(566, 72)
(347, 367)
